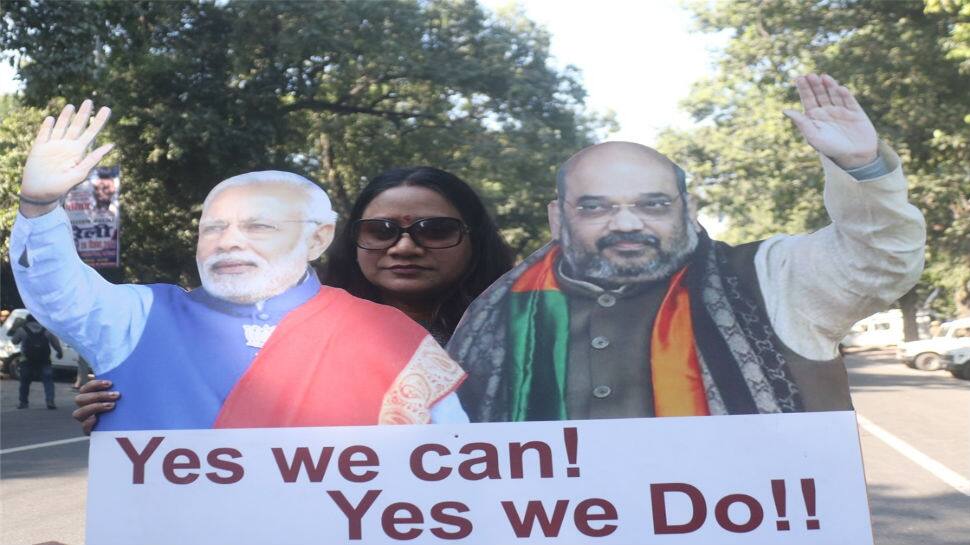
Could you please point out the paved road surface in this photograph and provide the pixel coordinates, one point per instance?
(42, 490)
(914, 499)
(929, 412)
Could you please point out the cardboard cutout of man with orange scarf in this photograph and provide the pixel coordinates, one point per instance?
(633, 311)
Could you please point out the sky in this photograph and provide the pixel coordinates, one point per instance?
(7, 83)
(638, 57)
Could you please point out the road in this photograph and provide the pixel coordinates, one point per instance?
(42, 490)
(914, 429)
(929, 412)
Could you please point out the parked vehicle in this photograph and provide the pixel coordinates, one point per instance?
(10, 357)
(957, 362)
(880, 330)
(927, 354)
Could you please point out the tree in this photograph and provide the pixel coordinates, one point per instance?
(895, 56)
(957, 43)
(18, 125)
(338, 91)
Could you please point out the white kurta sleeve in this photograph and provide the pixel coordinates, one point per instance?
(102, 321)
(817, 285)
(448, 411)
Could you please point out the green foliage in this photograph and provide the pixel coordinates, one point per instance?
(18, 127)
(957, 43)
(901, 61)
(338, 91)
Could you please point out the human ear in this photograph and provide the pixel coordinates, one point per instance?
(319, 241)
(692, 210)
(554, 213)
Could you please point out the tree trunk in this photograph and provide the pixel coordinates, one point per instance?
(339, 197)
(961, 299)
(908, 304)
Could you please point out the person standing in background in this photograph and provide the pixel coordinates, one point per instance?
(35, 345)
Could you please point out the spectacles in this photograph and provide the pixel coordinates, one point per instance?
(251, 229)
(652, 208)
(429, 233)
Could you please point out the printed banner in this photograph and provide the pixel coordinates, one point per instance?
(92, 207)
(757, 479)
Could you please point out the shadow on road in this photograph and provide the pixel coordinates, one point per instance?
(38, 425)
(939, 519)
(56, 461)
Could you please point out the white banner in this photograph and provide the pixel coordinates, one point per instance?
(759, 479)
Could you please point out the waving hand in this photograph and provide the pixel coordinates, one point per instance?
(57, 160)
(833, 122)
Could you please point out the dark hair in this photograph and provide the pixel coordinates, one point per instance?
(491, 256)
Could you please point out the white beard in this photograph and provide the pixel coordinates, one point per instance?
(267, 280)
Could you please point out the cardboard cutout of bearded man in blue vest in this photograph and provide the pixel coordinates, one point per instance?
(260, 344)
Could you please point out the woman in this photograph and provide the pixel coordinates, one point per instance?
(418, 239)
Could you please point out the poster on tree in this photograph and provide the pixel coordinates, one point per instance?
(93, 209)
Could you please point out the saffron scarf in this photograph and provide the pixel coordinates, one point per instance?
(341, 361)
(538, 331)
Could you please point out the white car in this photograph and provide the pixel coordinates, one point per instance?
(879, 330)
(927, 354)
(958, 362)
(10, 353)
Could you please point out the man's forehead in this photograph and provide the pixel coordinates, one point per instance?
(620, 169)
(255, 200)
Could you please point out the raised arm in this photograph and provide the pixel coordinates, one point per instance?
(101, 320)
(817, 285)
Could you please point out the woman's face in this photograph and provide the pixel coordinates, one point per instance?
(406, 271)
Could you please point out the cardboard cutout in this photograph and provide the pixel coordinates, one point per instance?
(633, 311)
(260, 344)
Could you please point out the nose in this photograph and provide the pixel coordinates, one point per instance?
(404, 246)
(231, 238)
(625, 220)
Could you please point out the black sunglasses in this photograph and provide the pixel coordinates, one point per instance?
(429, 233)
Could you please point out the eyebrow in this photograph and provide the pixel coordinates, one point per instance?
(244, 220)
(651, 195)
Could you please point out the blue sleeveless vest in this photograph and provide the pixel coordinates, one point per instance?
(191, 354)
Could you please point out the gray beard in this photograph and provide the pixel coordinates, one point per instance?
(595, 268)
